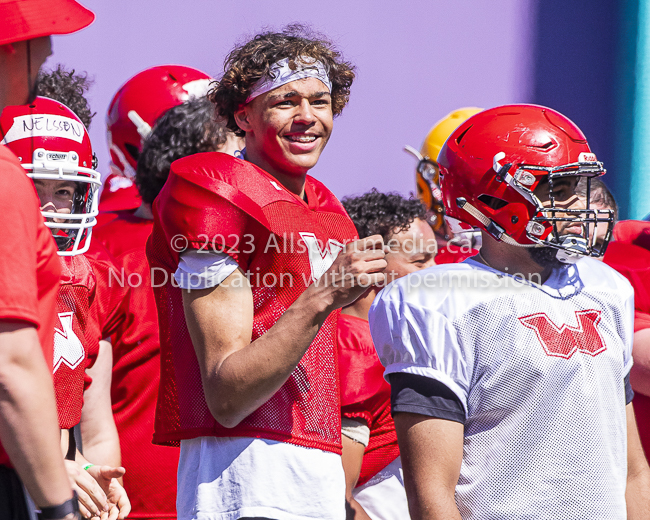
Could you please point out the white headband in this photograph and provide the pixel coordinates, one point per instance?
(281, 73)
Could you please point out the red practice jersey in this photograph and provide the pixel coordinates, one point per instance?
(282, 243)
(136, 372)
(365, 394)
(75, 342)
(30, 271)
(629, 254)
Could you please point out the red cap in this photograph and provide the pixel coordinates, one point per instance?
(28, 19)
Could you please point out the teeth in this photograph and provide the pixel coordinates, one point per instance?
(302, 138)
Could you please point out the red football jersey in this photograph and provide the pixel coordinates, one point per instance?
(225, 204)
(119, 193)
(630, 256)
(365, 394)
(30, 271)
(75, 342)
(136, 373)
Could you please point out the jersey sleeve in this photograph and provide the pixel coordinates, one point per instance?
(18, 277)
(203, 269)
(415, 339)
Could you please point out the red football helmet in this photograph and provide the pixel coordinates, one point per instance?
(492, 163)
(140, 102)
(52, 143)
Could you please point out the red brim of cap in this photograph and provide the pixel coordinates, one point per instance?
(28, 19)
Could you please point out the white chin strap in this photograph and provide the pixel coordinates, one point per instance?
(489, 224)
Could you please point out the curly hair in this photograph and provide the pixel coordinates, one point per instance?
(69, 88)
(183, 130)
(248, 63)
(385, 214)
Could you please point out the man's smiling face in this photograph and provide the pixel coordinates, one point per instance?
(288, 127)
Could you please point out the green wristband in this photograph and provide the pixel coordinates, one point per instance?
(88, 466)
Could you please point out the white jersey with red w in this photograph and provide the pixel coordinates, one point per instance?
(540, 372)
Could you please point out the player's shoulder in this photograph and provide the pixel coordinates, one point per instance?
(77, 270)
(327, 201)
(428, 287)
(228, 177)
(597, 275)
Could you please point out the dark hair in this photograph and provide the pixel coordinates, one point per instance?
(248, 63)
(384, 214)
(69, 88)
(600, 194)
(183, 130)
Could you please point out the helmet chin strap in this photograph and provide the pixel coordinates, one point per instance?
(563, 255)
(492, 227)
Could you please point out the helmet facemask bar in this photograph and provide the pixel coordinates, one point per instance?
(78, 224)
(572, 247)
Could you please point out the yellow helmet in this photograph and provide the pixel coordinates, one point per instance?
(427, 173)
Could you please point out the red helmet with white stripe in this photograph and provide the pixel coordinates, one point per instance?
(52, 144)
(140, 102)
(492, 163)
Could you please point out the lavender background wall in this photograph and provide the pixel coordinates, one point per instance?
(417, 60)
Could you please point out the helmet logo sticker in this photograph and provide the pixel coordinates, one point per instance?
(44, 125)
(586, 157)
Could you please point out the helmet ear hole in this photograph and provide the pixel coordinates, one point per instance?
(492, 202)
(460, 137)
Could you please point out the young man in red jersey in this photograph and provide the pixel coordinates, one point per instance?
(250, 265)
(183, 130)
(98, 432)
(373, 469)
(29, 279)
(54, 149)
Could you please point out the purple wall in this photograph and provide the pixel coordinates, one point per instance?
(414, 65)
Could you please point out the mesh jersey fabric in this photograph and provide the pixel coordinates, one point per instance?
(540, 371)
(30, 270)
(136, 372)
(75, 342)
(282, 243)
(107, 310)
(365, 394)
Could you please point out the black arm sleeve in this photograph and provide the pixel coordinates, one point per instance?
(425, 396)
(629, 393)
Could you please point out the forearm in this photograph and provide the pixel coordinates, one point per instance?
(102, 446)
(637, 496)
(101, 443)
(248, 377)
(29, 424)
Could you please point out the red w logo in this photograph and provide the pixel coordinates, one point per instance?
(565, 340)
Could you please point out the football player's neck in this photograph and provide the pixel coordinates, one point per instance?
(361, 307)
(511, 259)
(293, 181)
